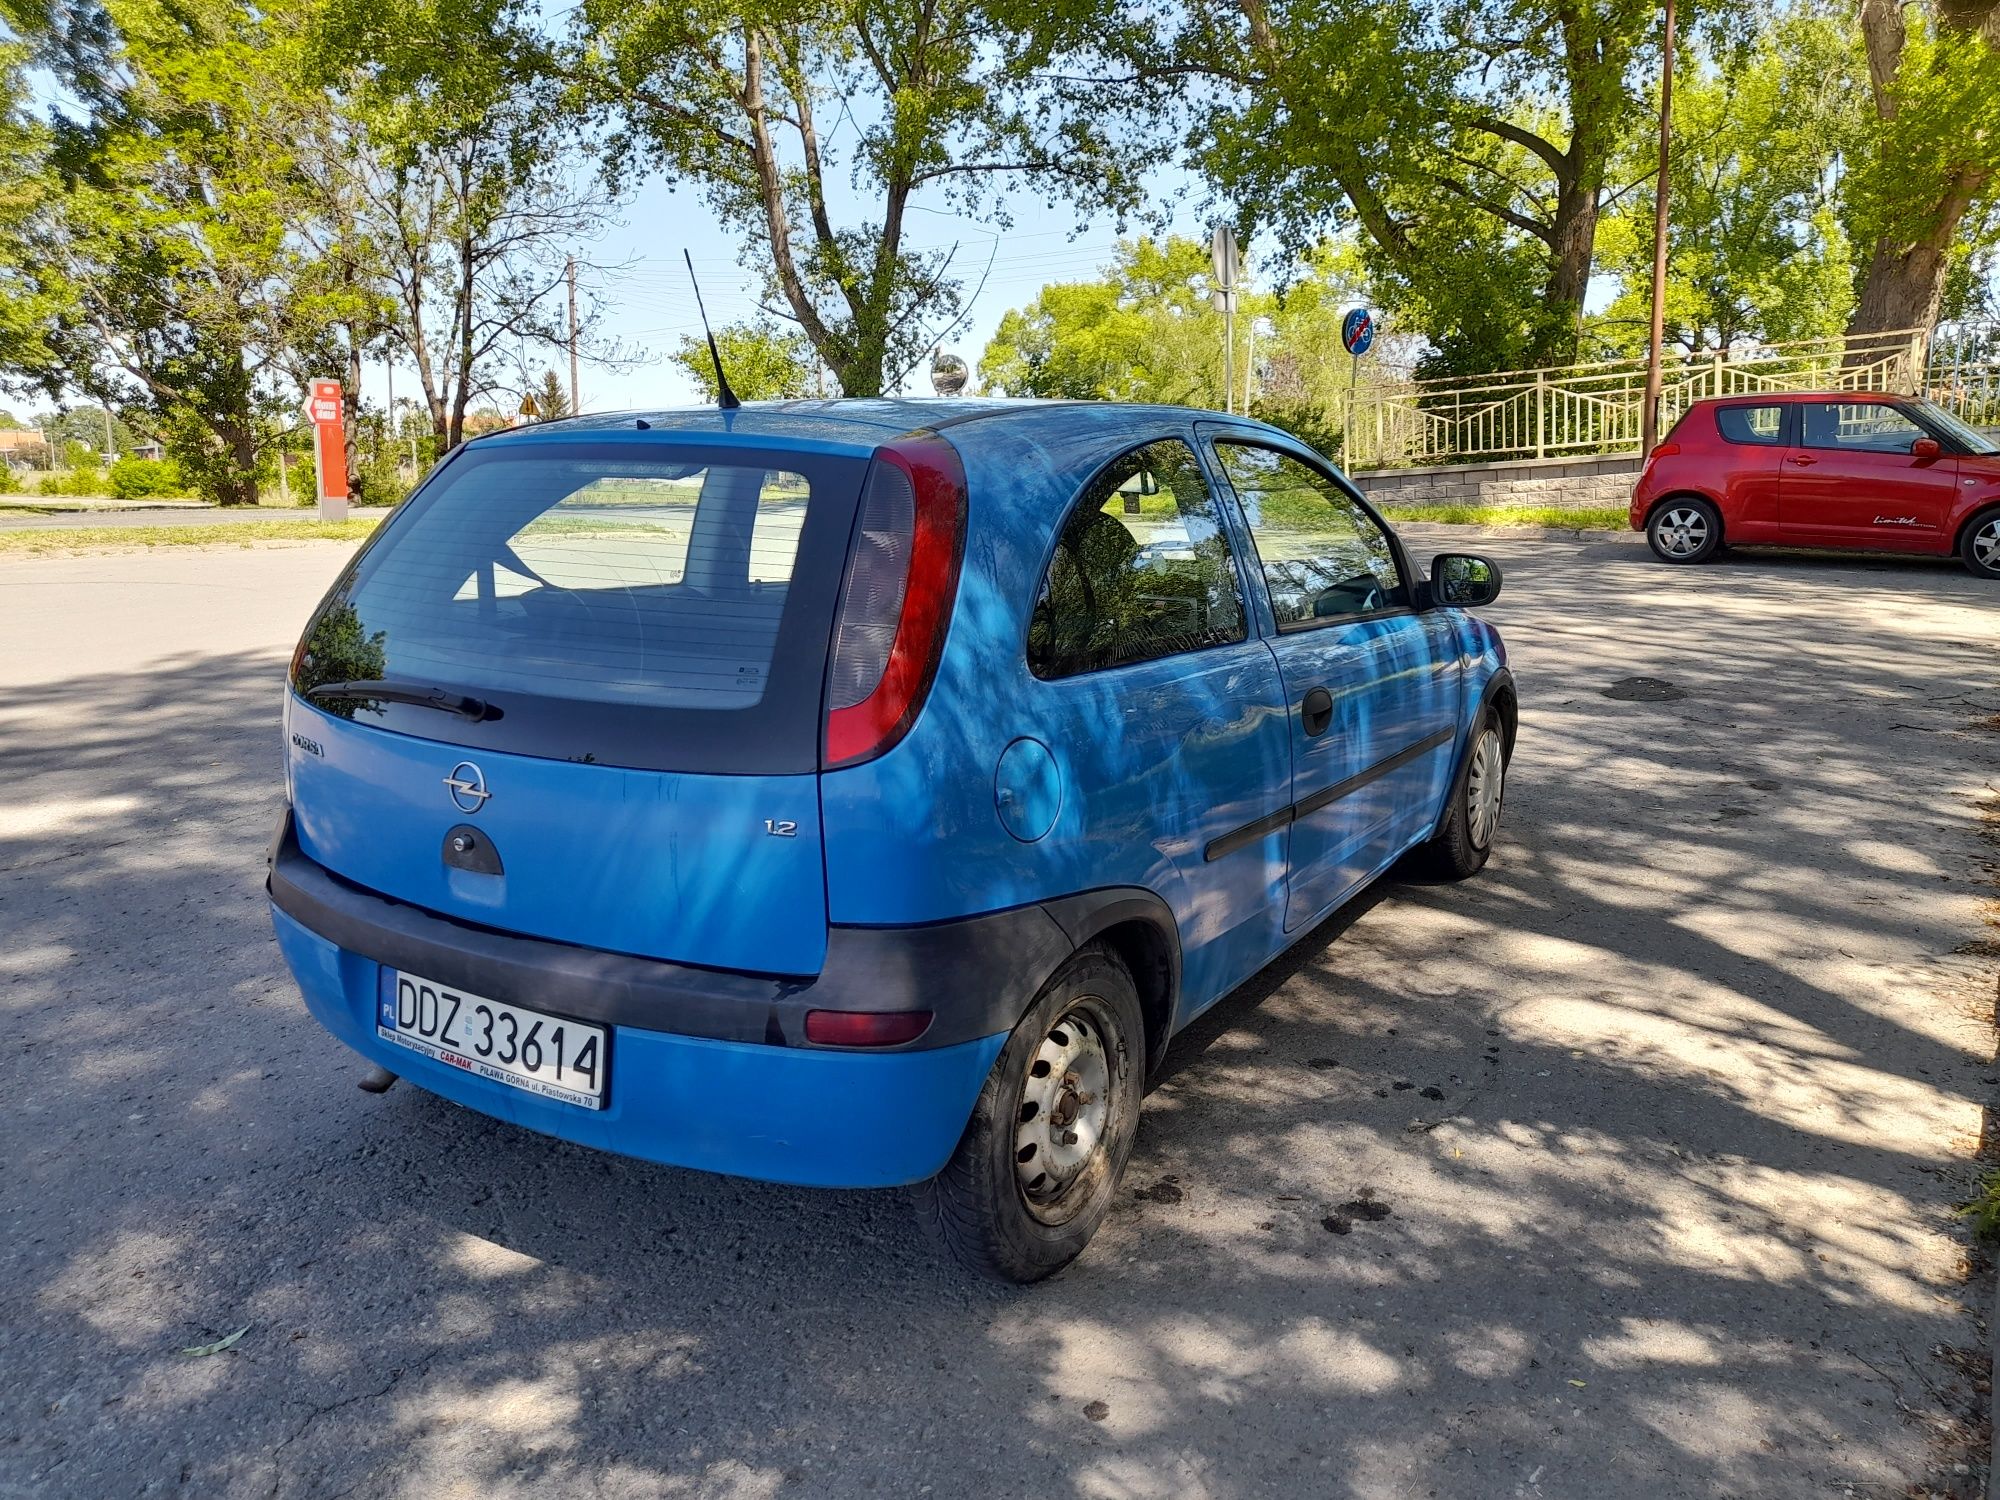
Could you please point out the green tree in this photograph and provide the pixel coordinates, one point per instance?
(1928, 169)
(1471, 145)
(940, 100)
(551, 397)
(1146, 331)
(1755, 244)
(764, 362)
(462, 178)
(84, 425)
(165, 263)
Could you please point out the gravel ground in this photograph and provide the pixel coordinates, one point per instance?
(1627, 1167)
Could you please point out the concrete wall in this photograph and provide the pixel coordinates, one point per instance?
(1565, 482)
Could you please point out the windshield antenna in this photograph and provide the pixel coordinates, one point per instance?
(724, 396)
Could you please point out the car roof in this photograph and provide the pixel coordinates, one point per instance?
(857, 425)
(1783, 398)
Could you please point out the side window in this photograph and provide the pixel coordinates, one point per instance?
(1324, 557)
(1142, 570)
(1750, 424)
(1858, 426)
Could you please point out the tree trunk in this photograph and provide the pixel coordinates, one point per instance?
(1573, 240)
(239, 441)
(1904, 287)
(350, 408)
(1596, 54)
(839, 355)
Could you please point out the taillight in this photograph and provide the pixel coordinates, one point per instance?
(902, 572)
(865, 1028)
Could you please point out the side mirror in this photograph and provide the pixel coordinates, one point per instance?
(1461, 580)
(1925, 447)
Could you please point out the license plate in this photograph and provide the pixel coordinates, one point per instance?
(552, 1056)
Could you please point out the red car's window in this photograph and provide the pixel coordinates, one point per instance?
(1858, 426)
(1750, 424)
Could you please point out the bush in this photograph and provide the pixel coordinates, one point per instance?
(380, 481)
(1315, 426)
(81, 483)
(10, 482)
(141, 478)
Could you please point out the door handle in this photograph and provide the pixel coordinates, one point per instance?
(1316, 712)
(1804, 461)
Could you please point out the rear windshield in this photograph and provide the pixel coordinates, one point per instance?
(637, 604)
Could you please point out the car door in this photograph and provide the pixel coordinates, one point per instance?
(1750, 465)
(1851, 480)
(1164, 713)
(1370, 683)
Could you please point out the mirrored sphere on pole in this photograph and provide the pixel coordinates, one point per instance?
(949, 374)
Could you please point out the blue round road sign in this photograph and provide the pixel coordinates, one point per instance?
(1357, 331)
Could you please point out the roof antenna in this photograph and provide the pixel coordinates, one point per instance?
(724, 396)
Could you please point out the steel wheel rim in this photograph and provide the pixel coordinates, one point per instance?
(1986, 545)
(1683, 531)
(1484, 784)
(1065, 1111)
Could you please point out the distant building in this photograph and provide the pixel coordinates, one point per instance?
(24, 448)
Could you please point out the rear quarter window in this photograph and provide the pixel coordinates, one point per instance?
(1142, 570)
(1762, 425)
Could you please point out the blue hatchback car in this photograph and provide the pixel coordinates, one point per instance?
(858, 793)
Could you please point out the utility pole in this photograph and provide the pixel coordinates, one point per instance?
(1649, 412)
(109, 447)
(575, 400)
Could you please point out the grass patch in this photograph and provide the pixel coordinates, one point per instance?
(1561, 518)
(37, 541)
(1983, 1209)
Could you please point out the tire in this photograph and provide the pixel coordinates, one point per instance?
(1684, 530)
(1461, 847)
(1979, 548)
(990, 1206)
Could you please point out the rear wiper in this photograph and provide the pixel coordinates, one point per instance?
(420, 694)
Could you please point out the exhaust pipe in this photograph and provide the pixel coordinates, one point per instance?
(377, 1081)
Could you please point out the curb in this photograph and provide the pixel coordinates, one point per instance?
(1531, 533)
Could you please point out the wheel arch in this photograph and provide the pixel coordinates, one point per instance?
(1500, 696)
(1139, 928)
(1972, 518)
(1721, 521)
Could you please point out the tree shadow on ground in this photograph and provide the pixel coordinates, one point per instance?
(1677, 1222)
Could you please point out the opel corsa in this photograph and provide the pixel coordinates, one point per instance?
(862, 793)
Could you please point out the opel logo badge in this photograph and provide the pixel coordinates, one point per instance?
(467, 785)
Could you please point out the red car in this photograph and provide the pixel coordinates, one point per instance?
(1825, 469)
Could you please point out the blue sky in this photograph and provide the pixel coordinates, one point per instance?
(649, 303)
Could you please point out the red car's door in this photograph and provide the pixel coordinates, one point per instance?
(1851, 480)
(1750, 465)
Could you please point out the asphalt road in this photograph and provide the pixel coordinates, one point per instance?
(1712, 1035)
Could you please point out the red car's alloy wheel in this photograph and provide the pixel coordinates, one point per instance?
(1982, 547)
(1683, 532)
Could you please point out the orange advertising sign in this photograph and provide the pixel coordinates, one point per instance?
(324, 410)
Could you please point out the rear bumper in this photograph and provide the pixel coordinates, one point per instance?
(820, 1118)
(708, 1069)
